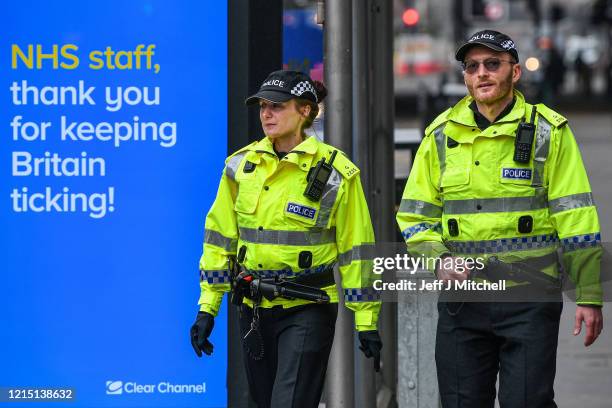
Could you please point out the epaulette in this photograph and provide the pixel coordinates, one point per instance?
(244, 149)
(440, 119)
(551, 116)
(345, 166)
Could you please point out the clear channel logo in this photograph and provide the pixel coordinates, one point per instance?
(114, 387)
(117, 387)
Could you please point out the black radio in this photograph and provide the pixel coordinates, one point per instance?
(318, 177)
(523, 142)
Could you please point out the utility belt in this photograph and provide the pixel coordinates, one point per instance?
(270, 284)
(316, 277)
(256, 285)
(527, 271)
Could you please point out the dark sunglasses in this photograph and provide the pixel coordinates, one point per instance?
(490, 64)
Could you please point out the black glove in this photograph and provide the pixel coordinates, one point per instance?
(200, 331)
(371, 344)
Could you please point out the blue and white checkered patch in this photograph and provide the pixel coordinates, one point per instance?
(301, 210)
(504, 244)
(215, 277)
(424, 226)
(581, 241)
(361, 295)
(516, 174)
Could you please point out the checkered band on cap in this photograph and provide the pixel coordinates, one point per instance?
(302, 87)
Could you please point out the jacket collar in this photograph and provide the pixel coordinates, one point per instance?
(462, 114)
(303, 153)
(308, 146)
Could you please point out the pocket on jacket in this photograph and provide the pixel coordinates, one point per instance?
(248, 198)
(455, 176)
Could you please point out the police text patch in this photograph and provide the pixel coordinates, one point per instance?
(301, 210)
(516, 174)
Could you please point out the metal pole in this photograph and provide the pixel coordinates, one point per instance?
(255, 34)
(338, 127)
(382, 125)
(364, 373)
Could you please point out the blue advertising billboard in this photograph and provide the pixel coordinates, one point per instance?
(114, 124)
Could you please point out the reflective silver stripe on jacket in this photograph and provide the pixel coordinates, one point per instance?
(504, 245)
(217, 239)
(276, 237)
(361, 295)
(491, 205)
(330, 192)
(570, 202)
(232, 165)
(441, 147)
(420, 207)
(214, 277)
(542, 144)
(362, 252)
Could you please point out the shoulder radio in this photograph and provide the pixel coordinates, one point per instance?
(318, 177)
(524, 139)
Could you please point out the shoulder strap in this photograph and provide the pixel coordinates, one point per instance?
(541, 147)
(345, 166)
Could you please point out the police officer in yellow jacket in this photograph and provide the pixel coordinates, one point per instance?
(498, 178)
(277, 225)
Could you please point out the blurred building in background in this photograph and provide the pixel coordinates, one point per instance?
(565, 46)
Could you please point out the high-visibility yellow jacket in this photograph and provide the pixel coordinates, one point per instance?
(466, 195)
(260, 205)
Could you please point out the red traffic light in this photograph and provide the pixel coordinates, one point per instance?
(410, 16)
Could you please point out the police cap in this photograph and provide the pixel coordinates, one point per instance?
(280, 86)
(489, 38)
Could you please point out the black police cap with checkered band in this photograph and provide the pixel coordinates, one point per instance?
(280, 86)
(491, 39)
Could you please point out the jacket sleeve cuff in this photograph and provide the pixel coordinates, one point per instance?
(594, 303)
(365, 328)
(210, 302)
(365, 320)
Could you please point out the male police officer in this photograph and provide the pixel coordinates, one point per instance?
(498, 178)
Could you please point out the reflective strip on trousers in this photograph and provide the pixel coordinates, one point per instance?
(504, 245)
(581, 242)
(328, 199)
(215, 276)
(570, 202)
(364, 252)
(276, 237)
(491, 205)
(542, 144)
(420, 207)
(232, 165)
(361, 295)
(217, 239)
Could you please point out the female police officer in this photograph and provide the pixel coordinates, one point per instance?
(279, 225)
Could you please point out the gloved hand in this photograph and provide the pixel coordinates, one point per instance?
(199, 333)
(371, 344)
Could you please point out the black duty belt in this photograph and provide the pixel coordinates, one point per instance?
(316, 277)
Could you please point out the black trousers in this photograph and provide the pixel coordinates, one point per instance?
(297, 342)
(475, 341)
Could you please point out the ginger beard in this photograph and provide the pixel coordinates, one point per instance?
(489, 88)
